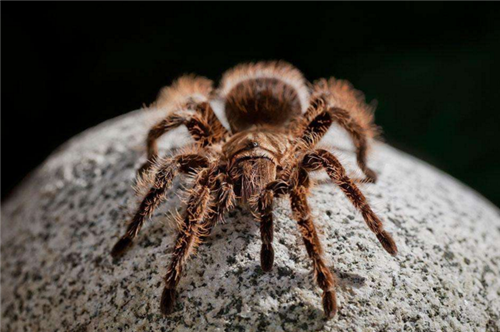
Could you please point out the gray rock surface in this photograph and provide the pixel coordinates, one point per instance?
(59, 226)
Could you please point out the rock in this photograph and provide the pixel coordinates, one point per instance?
(59, 226)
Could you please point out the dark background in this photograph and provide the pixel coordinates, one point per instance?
(433, 67)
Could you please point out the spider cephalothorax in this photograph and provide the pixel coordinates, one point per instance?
(254, 157)
(275, 122)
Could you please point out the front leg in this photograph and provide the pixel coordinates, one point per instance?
(203, 212)
(189, 236)
(324, 159)
(185, 163)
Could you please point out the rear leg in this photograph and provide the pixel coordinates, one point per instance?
(318, 120)
(359, 137)
(356, 116)
(186, 102)
(202, 124)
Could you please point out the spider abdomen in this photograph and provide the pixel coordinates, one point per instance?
(269, 93)
(261, 101)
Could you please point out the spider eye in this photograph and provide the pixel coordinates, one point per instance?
(255, 144)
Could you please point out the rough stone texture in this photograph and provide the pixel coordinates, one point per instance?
(59, 226)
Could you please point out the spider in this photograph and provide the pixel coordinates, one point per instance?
(275, 121)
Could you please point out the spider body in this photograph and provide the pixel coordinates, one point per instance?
(254, 158)
(275, 122)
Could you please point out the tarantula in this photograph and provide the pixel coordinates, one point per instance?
(275, 120)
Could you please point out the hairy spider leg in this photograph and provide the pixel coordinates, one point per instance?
(319, 118)
(302, 214)
(186, 163)
(323, 159)
(202, 124)
(202, 214)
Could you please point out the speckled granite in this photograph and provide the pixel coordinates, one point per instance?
(58, 229)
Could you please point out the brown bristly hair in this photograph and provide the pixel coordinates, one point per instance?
(342, 94)
(277, 121)
(280, 70)
(186, 88)
(264, 93)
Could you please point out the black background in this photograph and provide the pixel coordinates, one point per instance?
(433, 67)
